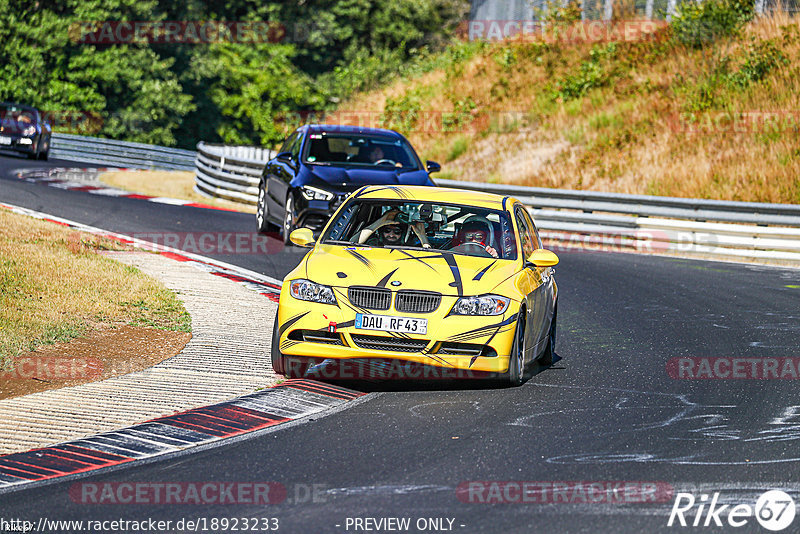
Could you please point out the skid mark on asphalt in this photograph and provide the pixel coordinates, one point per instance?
(676, 422)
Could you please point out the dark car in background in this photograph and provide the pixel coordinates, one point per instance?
(23, 129)
(318, 166)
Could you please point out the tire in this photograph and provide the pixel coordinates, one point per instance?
(288, 220)
(276, 355)
(43, 153)
(546, 358)
(262, 212)
(515, 375)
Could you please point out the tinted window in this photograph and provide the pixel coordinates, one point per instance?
(286, 147)
(354, 149)
(525, 235)
(537, 240)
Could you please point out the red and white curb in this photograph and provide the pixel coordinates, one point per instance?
(260, 283)
(289, 401)
(73, 179)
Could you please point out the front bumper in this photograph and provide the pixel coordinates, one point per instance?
(452, 342)
(18, 143)
(315, 214)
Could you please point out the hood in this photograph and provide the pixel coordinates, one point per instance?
(449, 274)
(351, 178)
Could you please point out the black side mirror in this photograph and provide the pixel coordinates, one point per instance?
(284, 155)
(432, 166)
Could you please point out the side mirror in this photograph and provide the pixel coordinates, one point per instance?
(543, 258)
(432, 166)
(284, 155)
(303, 237)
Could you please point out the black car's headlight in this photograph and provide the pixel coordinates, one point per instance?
(307, 290)
(483, 305)
(29, 131)
(312, 193)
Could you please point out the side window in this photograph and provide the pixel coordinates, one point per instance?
(287, 145)
(537, 242)
(525, 235)
(295, 148)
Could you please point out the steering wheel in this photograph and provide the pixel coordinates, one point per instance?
(381, 161)
(471, 248)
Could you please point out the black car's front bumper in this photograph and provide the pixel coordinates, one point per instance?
(314, 214)
(18, 143)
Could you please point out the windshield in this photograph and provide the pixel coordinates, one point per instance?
(362, 150)
(15, 116)
(459, 229)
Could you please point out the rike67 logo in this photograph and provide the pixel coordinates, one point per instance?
(774, 510)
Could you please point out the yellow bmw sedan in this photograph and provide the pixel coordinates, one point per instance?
(451, 280)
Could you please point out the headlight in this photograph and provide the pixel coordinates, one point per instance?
(308, 290)
(483, 305)
(312, 193)
(29, 131)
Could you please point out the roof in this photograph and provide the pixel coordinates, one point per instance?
(337, 128)
(444, 195)
(15, 105)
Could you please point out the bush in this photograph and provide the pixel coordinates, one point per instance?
(590, 75)
(698, 23)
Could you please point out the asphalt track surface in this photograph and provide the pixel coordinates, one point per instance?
(607, 410)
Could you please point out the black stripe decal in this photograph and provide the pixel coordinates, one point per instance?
(485, 269)
(385, 279)
(360, 258)
(290, 322)
(456, 283)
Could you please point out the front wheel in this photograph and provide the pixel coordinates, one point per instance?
(262, 212)
(275, 354)
(289, 220)
(44, 151)
(516, 361)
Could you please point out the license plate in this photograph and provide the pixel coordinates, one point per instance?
(5, 140)
(387, 323)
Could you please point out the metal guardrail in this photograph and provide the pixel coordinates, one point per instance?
(230, 172)
(580, 219)
(120, 153)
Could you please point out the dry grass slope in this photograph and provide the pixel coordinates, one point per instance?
(55, 287)
(649, 117)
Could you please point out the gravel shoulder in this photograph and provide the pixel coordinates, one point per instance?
(226, 357)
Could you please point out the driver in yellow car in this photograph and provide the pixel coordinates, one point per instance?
(387, 220)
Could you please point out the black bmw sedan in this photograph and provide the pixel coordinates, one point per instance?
(319, 165)
(23, 129)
